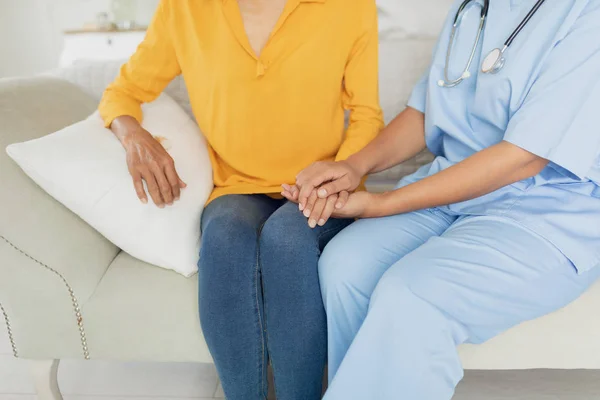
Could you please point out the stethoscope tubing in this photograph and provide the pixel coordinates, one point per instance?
(446, 82)
(523, 23)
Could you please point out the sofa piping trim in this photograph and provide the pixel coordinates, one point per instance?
(9, 329)
(76, 309)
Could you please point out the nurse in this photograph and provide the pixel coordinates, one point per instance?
(502, 227)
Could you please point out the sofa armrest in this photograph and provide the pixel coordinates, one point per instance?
(50, 260)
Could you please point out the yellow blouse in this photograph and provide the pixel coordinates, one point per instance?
(265, 118)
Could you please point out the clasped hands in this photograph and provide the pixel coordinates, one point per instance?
(326, 189)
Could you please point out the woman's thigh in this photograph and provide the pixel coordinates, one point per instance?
(486, 274)
(228, 252)
(289, 251)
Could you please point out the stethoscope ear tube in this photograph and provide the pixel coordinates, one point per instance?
(447, 82)
(495, 60)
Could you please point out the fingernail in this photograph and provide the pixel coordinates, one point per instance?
(171, 203)
(301, 206)
(322, 193)
(307, 213)
(161, 206)
(145, 201)
(176, 198)
(312, 223)
(338, 205)
(321, 222)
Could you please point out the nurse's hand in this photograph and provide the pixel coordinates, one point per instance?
(359, 205)
(326, 178)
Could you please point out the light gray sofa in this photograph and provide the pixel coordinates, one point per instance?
(66, 292)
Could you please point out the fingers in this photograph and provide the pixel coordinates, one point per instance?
(139, 188)
(333, 187)
(153, 189)
(306, 190)
(342, 200)
(316, 212)
(295, 192)
(310, 202)
(328, 210)
(163, 186)
(287, 193)
(292, 191)
(173, 180)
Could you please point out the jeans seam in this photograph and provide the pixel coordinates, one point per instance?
(260, 321)
(265, 307)
(328, 231)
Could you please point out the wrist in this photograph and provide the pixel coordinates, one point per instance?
(358, 164)
(374, 206)
(126, 129)
(381, 205)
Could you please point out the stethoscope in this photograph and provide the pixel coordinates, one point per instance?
(495, 60)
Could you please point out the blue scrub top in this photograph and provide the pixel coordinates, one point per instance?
(546, 100)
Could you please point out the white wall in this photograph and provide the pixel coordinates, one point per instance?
(31, 30)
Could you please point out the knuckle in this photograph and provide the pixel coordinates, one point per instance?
(153, 164)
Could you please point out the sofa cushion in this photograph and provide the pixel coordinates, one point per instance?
(143, 313)
(84, 167)
(29, 218)
(45, 250)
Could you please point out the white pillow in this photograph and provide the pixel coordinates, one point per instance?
(83, 167)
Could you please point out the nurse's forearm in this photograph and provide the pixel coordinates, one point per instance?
(478, 175)
(401, 140)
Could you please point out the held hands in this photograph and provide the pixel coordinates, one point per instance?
(148, 161)
(356, 205)
(326, 178)
(323, 190)
(318, 211)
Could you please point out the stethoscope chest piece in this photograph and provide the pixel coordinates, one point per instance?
(493, 62)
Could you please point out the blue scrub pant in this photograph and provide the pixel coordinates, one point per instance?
(402, 292)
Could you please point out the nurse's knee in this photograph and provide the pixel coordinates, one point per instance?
(341, 266)
(395, 295)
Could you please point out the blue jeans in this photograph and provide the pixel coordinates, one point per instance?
(260, 297)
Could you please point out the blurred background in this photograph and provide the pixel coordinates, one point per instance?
(40, 35)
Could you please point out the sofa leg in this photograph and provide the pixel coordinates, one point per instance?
(45, 377)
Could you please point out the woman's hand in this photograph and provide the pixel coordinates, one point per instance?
(321, 209)
(147, 160)
(325, 178)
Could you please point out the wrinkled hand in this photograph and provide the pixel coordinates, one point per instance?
(318, 211)
(147, 160)
(325, 178)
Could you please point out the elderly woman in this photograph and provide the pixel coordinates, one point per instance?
(269, 81)
(502, 227)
